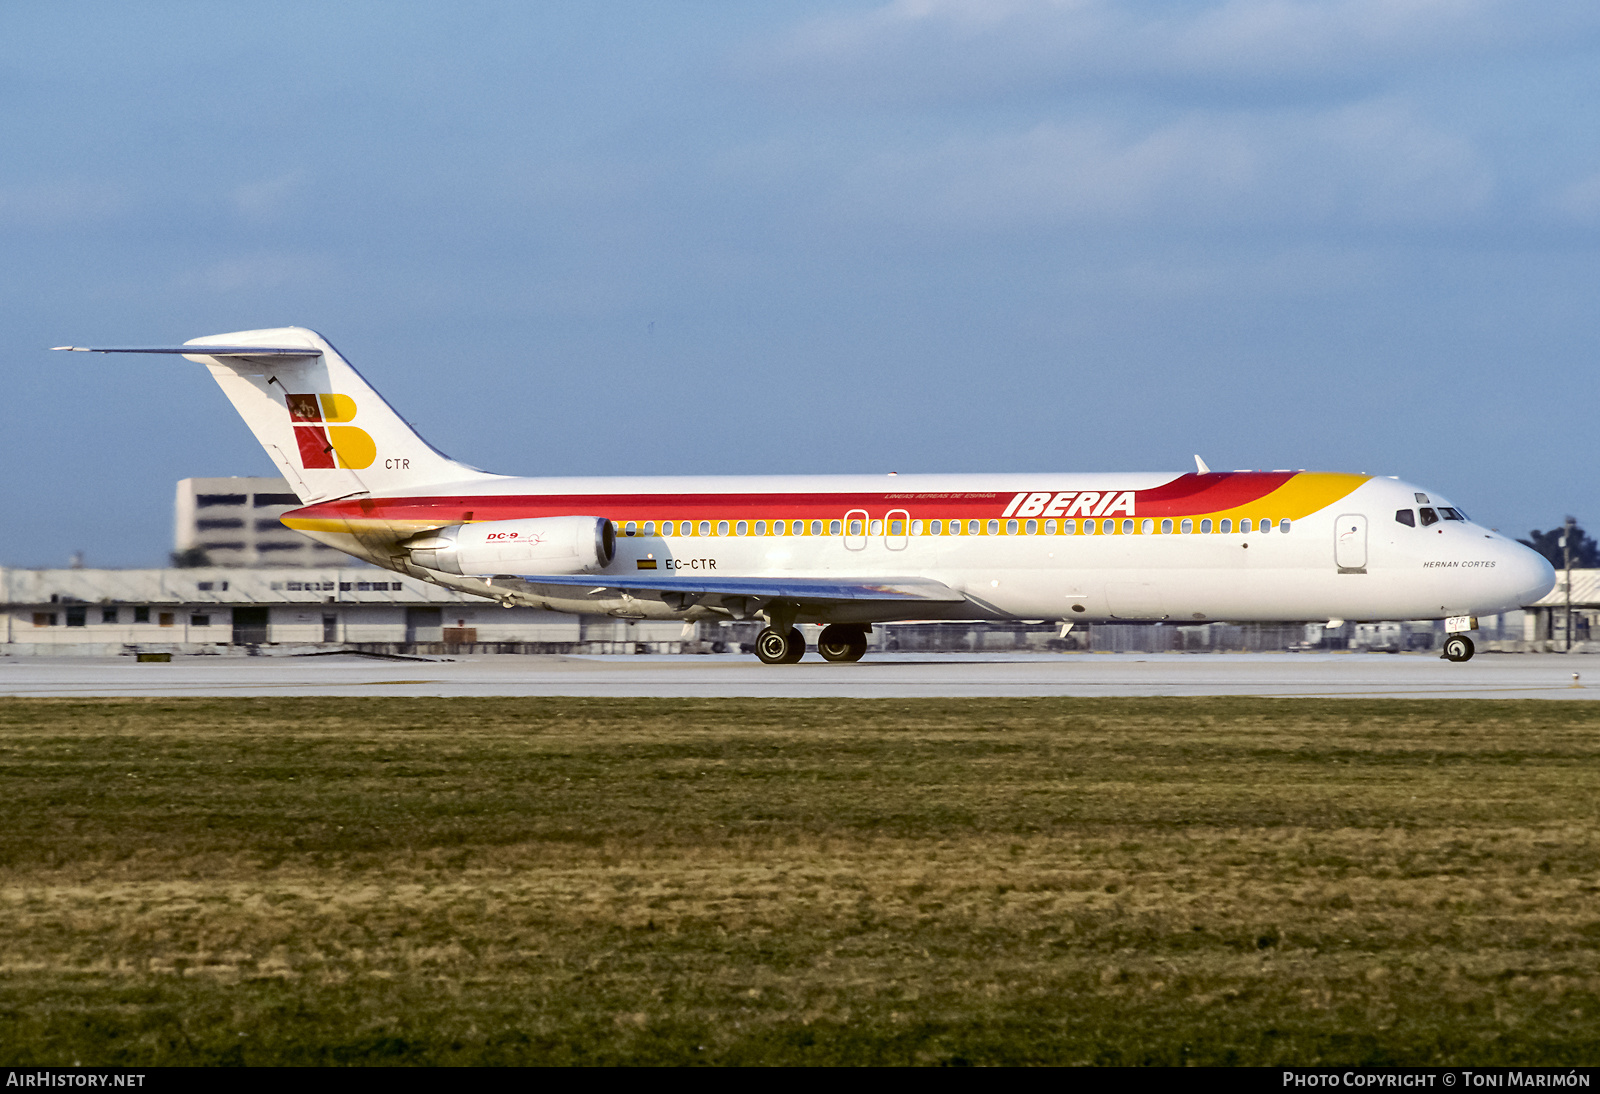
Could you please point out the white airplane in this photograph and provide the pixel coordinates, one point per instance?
(847, 551)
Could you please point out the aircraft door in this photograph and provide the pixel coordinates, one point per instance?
(896, 527)
(1350, 543)
(855, 529)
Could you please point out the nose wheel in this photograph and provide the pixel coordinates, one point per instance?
(780, 647)
(1458, 647)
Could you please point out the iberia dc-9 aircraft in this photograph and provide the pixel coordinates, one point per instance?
(847, 551)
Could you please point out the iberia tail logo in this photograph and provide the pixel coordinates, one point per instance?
(321, 440)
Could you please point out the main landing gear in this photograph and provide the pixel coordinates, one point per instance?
(780, 647)
(838, 642)
(1458, 647)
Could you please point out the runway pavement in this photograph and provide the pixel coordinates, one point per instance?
(1488, 676)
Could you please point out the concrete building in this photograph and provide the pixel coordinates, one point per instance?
(235, 522)
(221, 610)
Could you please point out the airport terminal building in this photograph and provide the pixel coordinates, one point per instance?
(219, 610)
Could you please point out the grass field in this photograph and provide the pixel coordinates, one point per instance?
(799, 881)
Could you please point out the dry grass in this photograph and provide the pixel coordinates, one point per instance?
(766, 881)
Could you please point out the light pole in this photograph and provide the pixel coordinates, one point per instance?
(1566, 560)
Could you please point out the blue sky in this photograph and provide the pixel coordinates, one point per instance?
(941, 235)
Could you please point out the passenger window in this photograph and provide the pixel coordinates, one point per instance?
(897, 527)
(668, 528)
(855, 527)
(935, 527)
(630, 529)
(994, 528)
(741, 529)
(877, 528)
(1147, 527)
(972, 527)
(833, 527)
(1283, 525)
(1127, 526)
(1428, 516)
(1226, 527)
(1166, 527)
(1033, 527)
(955, 528)
(761, 527)
(705, 528)
(779, 528)
(1088, 527)
(1205, 527)
(1450, 514)
(649, 527)
(722, 527)
(916, 527)
(1244, 525)
(1011, 527)
(1070, 527)
(1187, 526)
(1266, 524)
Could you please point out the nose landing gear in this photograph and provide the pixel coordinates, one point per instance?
(1458, 647)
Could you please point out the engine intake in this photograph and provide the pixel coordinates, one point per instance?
(539, 545)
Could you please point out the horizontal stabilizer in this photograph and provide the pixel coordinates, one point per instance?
(203, 351)
(784, 588)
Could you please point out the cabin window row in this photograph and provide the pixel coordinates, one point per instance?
(856, 527)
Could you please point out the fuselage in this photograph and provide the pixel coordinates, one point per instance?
(1234, 546)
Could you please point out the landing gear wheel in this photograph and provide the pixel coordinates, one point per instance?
(775, 648)
(1458, 647)
(840, 643)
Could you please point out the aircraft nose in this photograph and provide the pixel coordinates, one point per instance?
(1524, 575)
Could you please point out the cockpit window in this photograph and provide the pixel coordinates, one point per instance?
(1428, 516)
(1406, 517)
(1450, 514)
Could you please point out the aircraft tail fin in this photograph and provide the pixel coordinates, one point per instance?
(328, 431)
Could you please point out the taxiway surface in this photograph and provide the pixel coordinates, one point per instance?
(1374, 676)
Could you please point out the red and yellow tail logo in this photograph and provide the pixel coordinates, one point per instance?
(321, 441)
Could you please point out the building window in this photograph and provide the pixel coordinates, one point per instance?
(108, 615)
(206, 501)
(141, 615)
(77, 617)
(44, 619)
(264, 500)
(230, 546)
(277, 545)
(199, 621)
(204, 586)
(168, 619)
(215, 525)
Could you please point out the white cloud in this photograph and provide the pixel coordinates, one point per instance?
(1370, 164)
(912, 47)
(1579, 200)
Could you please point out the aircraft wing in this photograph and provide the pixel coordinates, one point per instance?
(773, 588)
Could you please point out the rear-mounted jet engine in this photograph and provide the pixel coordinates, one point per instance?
(540, 545)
